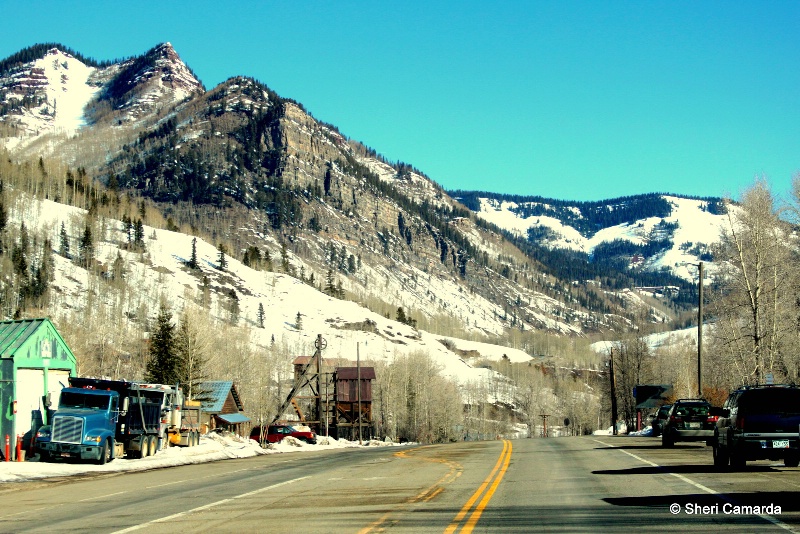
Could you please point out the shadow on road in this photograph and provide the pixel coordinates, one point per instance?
(680, 469)
(677, 446)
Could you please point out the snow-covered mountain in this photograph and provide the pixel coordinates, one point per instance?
(684, 232)
(253, 170)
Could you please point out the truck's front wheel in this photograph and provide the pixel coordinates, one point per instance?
(105, 454)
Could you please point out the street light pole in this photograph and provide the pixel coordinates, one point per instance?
(700, 333)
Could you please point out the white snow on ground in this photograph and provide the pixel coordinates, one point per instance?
(655, 341)
(213, 447)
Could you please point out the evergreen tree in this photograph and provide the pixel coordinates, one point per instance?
(164, 366)
(19, 261)
(63, 248)
(24, 242)
(128, 223)
(284, 257)
(3, 220)
(223, 263)
(193, 257)
(138, 235)
(260, 315)
(298, 322)
(330, 287)
(327, 181)
(86, 247)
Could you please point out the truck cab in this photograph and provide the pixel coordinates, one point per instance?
(83, 428)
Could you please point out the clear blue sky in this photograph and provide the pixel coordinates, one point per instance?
(570, 100)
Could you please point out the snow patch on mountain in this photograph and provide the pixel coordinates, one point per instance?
(62, 81)
(694, 226)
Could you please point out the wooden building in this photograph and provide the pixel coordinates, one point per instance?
(222, 407)
(352, 400)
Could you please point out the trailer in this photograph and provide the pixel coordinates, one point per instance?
(99, 420)
(182, 424)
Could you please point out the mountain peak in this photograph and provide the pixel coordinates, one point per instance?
(156, 78)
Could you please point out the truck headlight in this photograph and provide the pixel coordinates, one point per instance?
(96, 439)
(43, 433)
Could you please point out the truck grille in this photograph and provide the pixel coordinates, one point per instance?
(67, 429)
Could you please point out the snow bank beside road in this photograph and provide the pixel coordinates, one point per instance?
(213, 446)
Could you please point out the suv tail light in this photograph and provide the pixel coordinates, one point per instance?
(712, 418)
(740, 423)
(674, 419)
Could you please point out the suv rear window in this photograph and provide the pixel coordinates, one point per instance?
(769, 401)
(692, 409)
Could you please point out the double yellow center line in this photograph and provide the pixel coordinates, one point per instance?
(486, 490)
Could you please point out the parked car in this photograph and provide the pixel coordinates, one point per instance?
(276, 433)
(759, 423)
(661, 417)
(689, 420)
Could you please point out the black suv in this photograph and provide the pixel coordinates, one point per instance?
(688, 420)
(759, 423)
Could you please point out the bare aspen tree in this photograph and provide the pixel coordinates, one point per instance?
(755, 298)
(193, 343)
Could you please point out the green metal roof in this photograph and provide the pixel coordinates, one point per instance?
(14, 335)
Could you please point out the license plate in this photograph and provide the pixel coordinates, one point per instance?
(696, 425)
(67, 455)
(780, 444)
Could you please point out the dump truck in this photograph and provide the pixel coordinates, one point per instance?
(99, 420)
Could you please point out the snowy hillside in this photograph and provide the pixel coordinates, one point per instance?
(161, 271)
(694, 228)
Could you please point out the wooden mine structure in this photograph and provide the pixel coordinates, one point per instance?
(325, 396)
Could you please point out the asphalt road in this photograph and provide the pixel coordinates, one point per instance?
(586, 484)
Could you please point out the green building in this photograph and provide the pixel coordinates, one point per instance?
(35, 363)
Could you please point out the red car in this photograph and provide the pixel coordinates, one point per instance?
(276, 433)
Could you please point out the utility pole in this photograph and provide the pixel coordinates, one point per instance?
(613, 393)
(320, 345)
(544, 417)
(358, 385)
(700, 333)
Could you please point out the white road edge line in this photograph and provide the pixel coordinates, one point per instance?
(207, 506)
(765, 517)
(96, 497)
